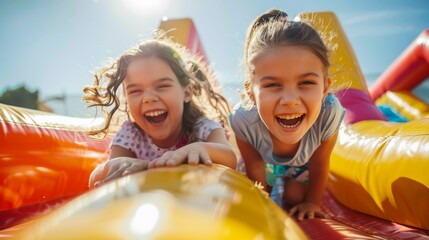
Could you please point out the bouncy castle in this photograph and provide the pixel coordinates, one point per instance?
(378, 184)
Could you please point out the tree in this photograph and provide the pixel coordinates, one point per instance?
(21, 97)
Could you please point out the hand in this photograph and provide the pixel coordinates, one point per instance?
(306, 210)
(121, 166)
(193, 154)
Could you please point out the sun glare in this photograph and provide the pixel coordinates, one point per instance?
(146, 6)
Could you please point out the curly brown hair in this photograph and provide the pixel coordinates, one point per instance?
(106, 89)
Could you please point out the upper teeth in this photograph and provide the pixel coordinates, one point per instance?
(290, 116)
(155, 113)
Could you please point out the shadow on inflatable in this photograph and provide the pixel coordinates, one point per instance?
(378, 183)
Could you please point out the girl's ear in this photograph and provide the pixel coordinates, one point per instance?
(249, 91)
(326, 88)
(188, 93)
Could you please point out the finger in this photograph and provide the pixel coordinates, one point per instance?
(111, 168)
(205, 158)
(136, 168)
(193, 158)
(301, 215)
(310, 215)
(292, 211)
(160, 162)
(119, 165)
(157, 162)
(151, 164)
(319, 214)
(116, 174)
(171, 163)
(177, 158)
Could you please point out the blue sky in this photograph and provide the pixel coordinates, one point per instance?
(53, 46)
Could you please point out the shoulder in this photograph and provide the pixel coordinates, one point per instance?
(203, 121)
(247, 125)
(331, 107)
(128, 128)
(331, 101)
(331, 116)
(204, 126)
(245, 116)
(128, 132)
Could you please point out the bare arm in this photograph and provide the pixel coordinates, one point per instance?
(255, 167)
(118, 151)
(217, 149)
(319, 170)
(318, 177)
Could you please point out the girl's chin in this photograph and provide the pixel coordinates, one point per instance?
(290, 141)
(289, 136)
(287, 129)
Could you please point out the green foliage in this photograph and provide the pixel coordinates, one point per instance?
(21, 97)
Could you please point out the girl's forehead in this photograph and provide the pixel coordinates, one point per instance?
(138, 61)
(281, 50)
(145, 65)
(286, 54)
(148, 69)
(287, 61)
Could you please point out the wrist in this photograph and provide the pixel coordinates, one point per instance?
(313, 200)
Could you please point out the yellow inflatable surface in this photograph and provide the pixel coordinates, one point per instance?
(186, 202)
(406, 103)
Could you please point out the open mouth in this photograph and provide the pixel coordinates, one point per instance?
(157, 116)
(290, 120)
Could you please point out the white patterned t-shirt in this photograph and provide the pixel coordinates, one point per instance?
(133, 138)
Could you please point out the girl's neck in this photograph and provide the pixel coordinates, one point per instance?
(285, 150)
(180, 141)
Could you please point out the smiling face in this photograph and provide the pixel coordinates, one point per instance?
(156, 99)
(288, 87)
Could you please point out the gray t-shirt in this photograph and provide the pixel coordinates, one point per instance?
(248, 127)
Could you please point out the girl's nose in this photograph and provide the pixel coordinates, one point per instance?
(290, 98)
(149, 97)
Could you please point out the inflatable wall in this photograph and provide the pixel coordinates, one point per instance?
(378, 184)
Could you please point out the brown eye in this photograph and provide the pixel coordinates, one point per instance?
(271, 85)
(163, 86)
(308, 83)
(133, 91)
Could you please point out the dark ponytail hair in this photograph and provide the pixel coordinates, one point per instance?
(269, 15)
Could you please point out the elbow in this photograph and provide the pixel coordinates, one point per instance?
(230, 158)
(233, 162)
(222, 154)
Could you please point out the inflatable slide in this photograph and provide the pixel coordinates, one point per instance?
(378, 186)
